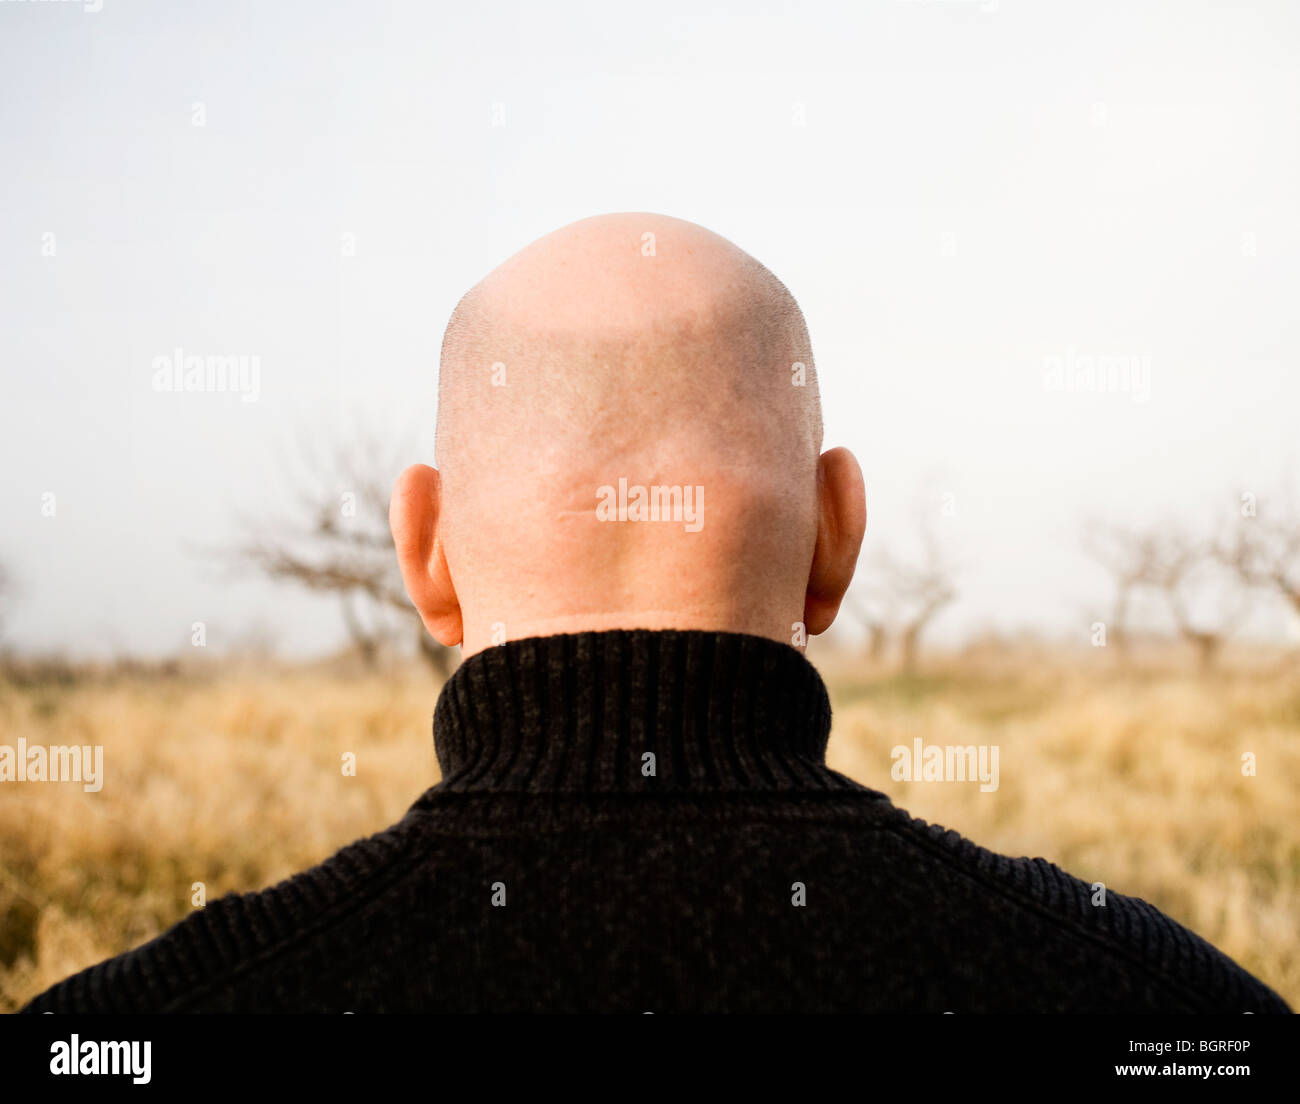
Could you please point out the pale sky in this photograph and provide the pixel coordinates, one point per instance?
(961, 195)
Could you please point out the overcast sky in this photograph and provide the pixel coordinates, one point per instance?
(969, 199)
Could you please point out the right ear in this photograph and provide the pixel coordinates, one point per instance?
(413, 515)
(841, 522)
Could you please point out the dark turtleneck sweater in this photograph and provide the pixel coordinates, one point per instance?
(641, 821)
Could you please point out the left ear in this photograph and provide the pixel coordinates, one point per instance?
(841, 523)
(413, 515)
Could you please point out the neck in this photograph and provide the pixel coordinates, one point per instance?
(635, 711)
(721, 616)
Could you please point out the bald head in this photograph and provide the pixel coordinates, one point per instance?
(628, 436)
(644, 322)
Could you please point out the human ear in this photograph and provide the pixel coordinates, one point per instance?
(413, 515)
(841, 522)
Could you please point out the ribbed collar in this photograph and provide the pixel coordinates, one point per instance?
(579, 713)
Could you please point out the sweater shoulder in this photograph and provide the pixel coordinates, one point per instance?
(1117, 925)
(236, 931)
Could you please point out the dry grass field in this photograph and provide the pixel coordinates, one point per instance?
(232, 778)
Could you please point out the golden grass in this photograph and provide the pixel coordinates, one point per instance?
(234, 780)
(1130, 779)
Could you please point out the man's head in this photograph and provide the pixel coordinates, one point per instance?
(628, 436)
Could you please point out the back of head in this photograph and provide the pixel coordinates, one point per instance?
(628, 437)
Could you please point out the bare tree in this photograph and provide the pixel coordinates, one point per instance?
(904, 597)
(873, 614)
(1184, 572)
(1264, 551)
(1206, 604)
(1131, 560)
(928, 591)
(335, 540)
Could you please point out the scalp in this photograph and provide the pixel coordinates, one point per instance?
(693, 343)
